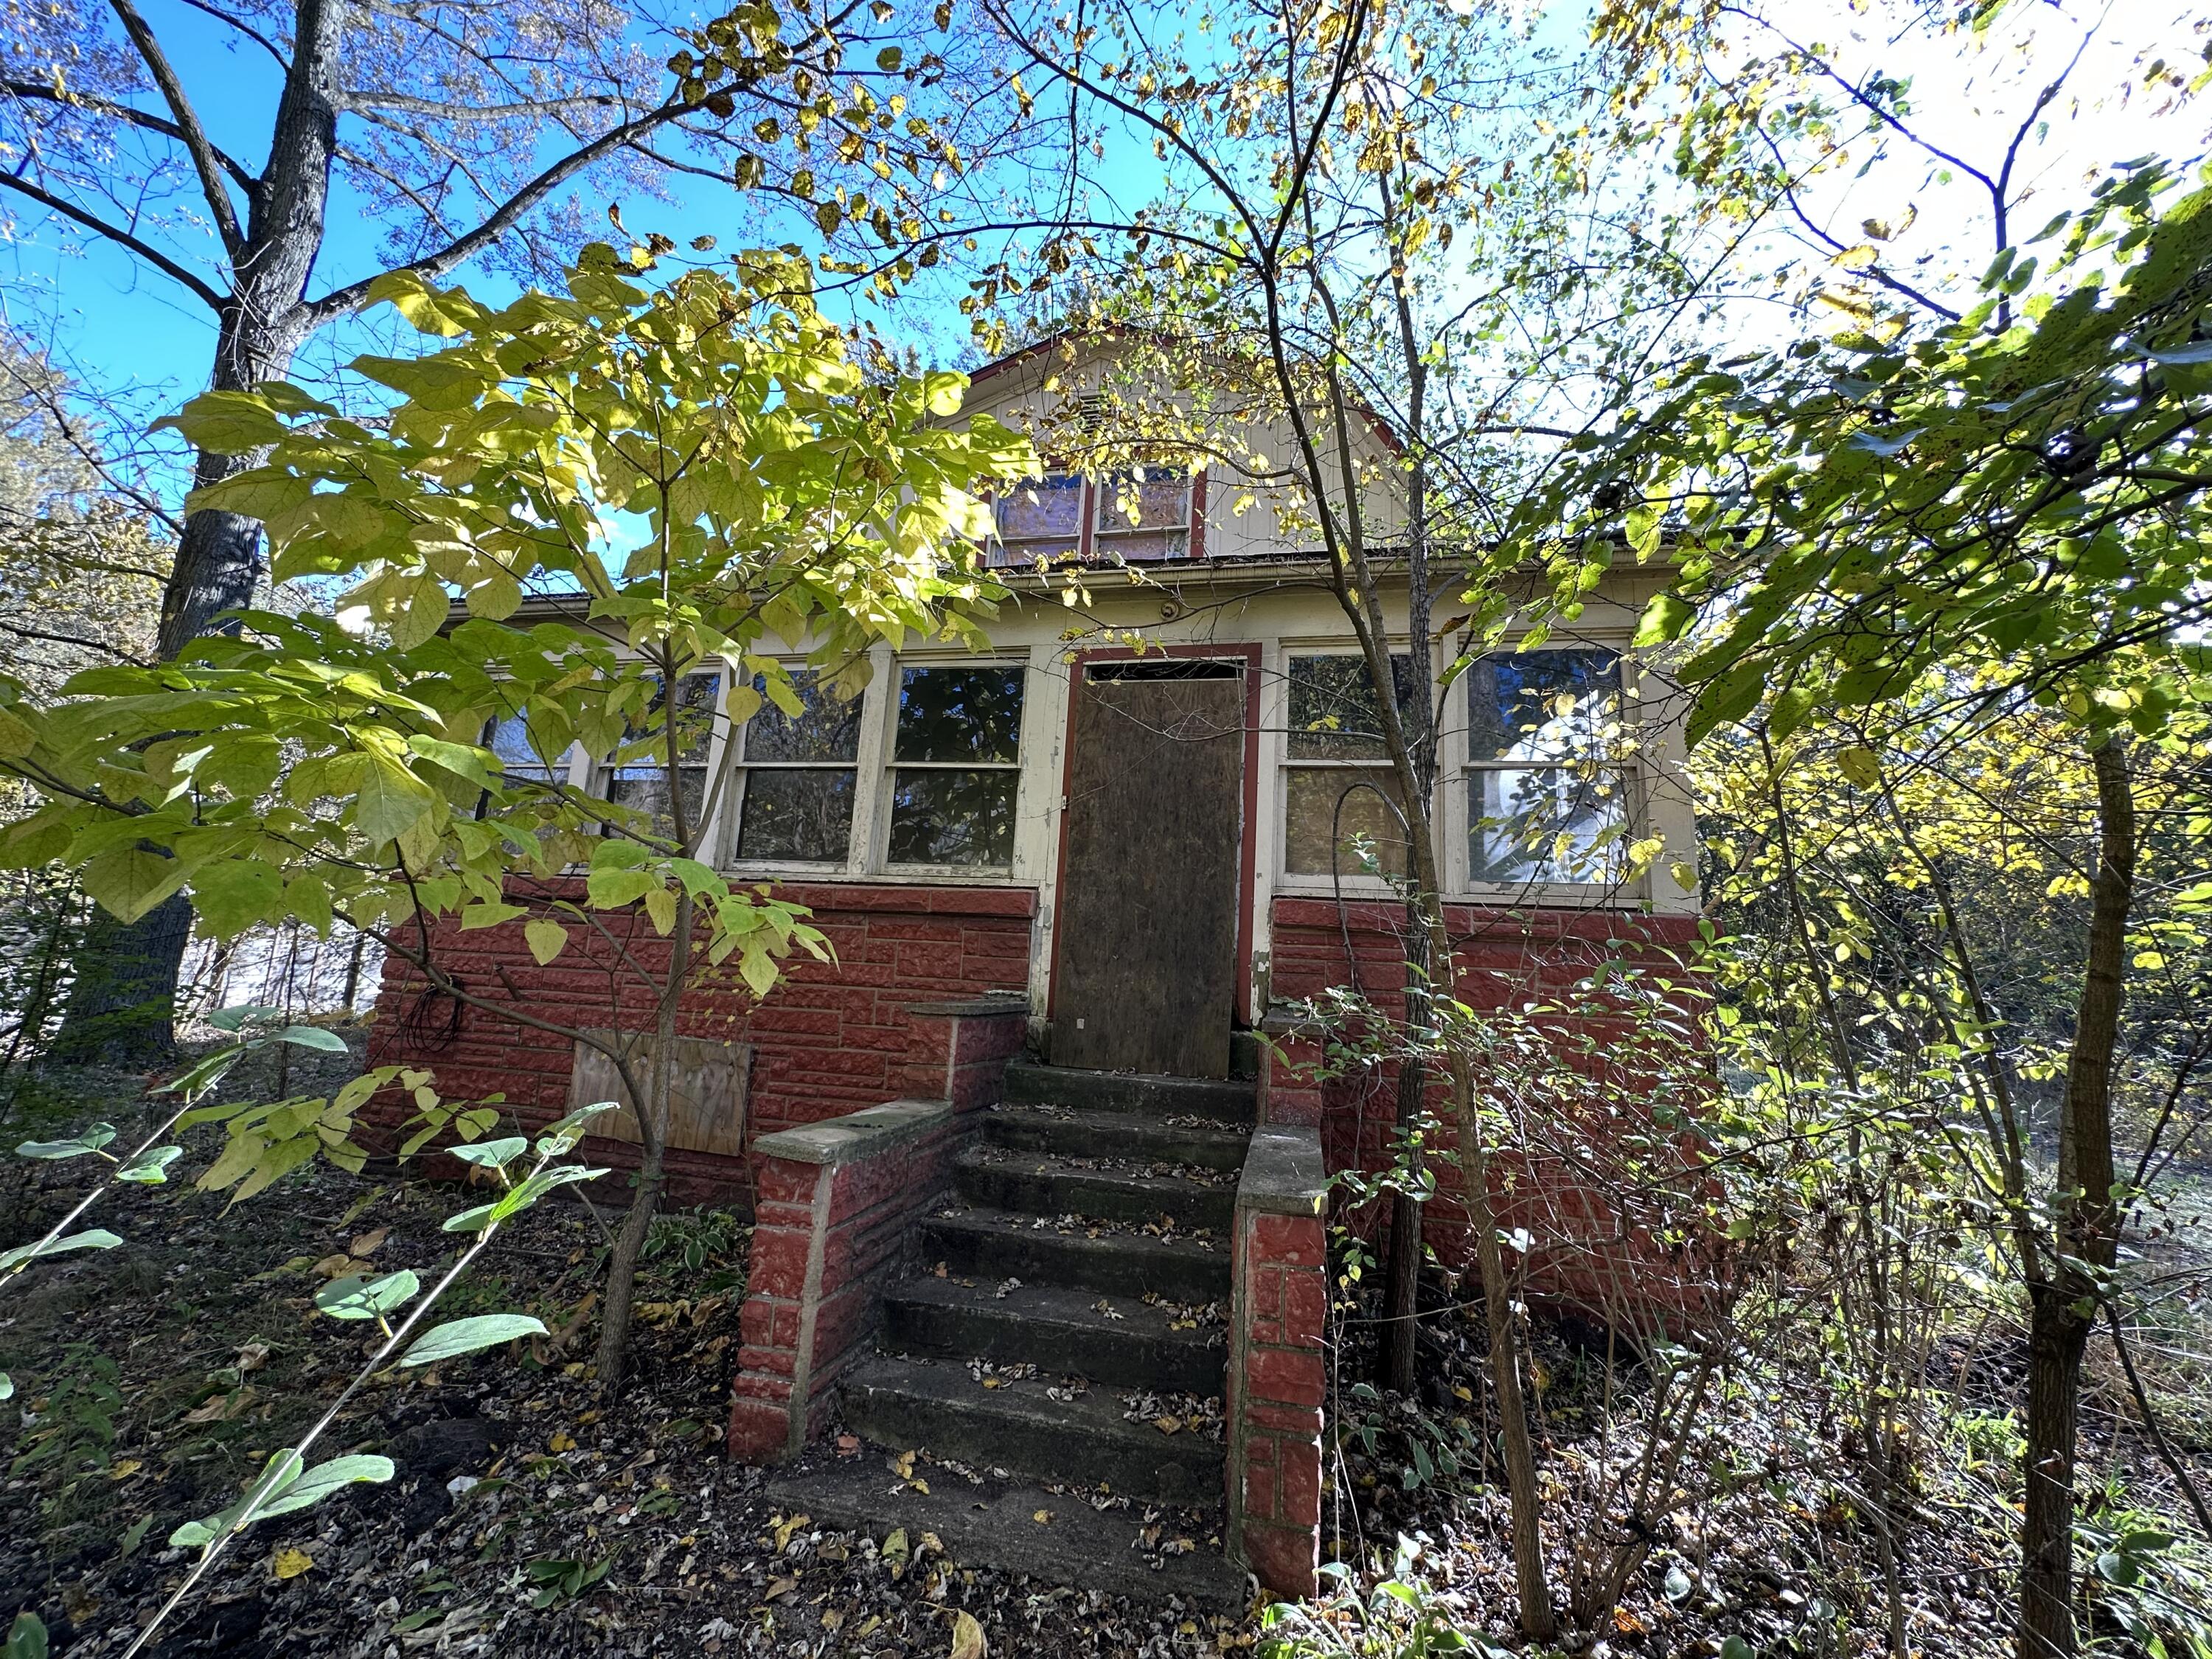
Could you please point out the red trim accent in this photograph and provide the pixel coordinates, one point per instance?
(1247, 876)
(1195, 543)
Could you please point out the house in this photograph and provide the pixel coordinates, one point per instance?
(1120, 841)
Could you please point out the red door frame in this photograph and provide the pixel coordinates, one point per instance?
(1249, 856)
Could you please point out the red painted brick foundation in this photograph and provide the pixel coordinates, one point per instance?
(831, 1037)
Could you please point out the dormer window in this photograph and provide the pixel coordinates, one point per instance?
(1137, 516)
(1143, 513)
(1039, 519)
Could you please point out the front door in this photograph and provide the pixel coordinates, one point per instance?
(1146, 932)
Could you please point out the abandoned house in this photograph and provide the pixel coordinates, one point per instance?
(1027, 1121)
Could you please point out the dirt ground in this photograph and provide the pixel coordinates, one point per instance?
(531, 1515)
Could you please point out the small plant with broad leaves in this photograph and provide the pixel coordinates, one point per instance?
(1399, 1617)
(399, 1306)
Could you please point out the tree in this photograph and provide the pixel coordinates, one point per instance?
(1994, 489)
(458, 128)
(700, 470)
(1361, 202)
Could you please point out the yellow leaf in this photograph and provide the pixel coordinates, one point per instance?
(1042, 1517)
(966, 1637)
(561, 1443)
(125, 1469)
(785, 1529)
(290, 1563)
(547, 938)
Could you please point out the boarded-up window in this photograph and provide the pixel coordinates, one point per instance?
(707, 1094)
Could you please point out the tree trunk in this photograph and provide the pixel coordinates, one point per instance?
(1538, 1620)
(652, 1138)
(122, 1010)
(2062, 1295)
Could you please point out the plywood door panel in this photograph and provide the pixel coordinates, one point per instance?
(707, 1094)
(1146, 932)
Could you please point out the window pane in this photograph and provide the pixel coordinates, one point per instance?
(959, 714)
(1543, 706)
(695, 727)
(1333, 709)
(510, 741)
(1045, 514)
(829, 729)
(1311, 794)
(1145, 513)
(1544, 824)
(804, 814)
(645, 790)
(944, 816)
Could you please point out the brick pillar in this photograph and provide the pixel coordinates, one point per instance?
(1291, 1058)
(836, 1204)
(1277, 1375)
(957, 1051)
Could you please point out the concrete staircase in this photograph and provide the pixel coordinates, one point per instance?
(1057, 1363)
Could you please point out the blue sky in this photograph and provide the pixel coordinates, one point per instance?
(132, 330)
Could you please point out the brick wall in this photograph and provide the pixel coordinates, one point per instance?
(1277, 1377)
(830, 1038)
(831, 1223)
(1504, 958)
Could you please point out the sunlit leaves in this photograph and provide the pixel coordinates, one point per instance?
(357, 1296)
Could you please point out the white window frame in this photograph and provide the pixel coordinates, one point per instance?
(888, 767)
(1352, 881)
(1456, 768)
(591, 776)
(1450, 812)
(730, 819)
(1100, 537)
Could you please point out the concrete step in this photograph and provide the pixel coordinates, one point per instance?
(1069, 1133)
(1046, 1185)
(995, 1245)
(1113, 1340)
(1121, 1551)
(1224, 1101)
(939, 1409)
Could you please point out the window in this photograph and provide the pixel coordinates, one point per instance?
(956, 764)
(639, 780)
(1547, 778)
(507, 737)
(1335, 796)
(800, 772)
(1039, 519)
(1143, 514)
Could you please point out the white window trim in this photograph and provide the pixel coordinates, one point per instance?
(729, 818)
(1450, 811)
(867, 856)
(590, 776)
(888, 767)
(1091, 537)
(1454, 768)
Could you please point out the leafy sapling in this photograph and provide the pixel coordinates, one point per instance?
(287, 1482)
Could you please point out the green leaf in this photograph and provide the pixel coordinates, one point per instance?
(7, 1386)
(278, 1472)
(312, 1036)
(131, 881)
(150, 1166)
(1861, 767)
(359, 1296)
(27, 1638)
(492, 1154)
(392, 801)
(323, 1478)
(76, 1147)
(204, 1076)
(561, 1134)
(462, 1336)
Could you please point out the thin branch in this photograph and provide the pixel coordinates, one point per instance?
(137, 117)
(152, 255)
(205, 160)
